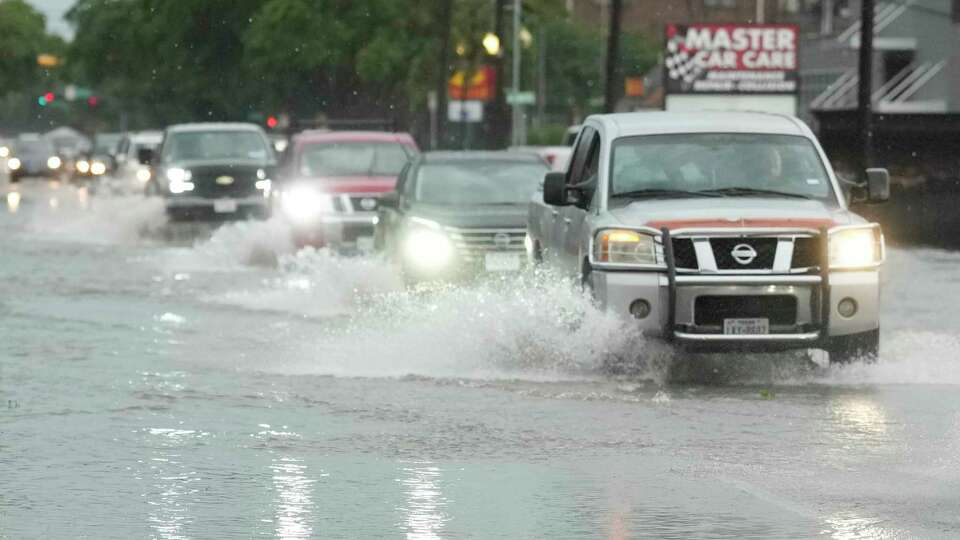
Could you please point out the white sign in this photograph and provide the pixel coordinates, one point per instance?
(465, 111)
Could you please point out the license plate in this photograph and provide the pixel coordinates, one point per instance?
(746, 327)
(502, 262)
(365, 243)
(224, 206)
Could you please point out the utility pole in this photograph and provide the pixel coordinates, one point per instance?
(517, 111)
(864, 100)
(498, 118)
(443, 28)
(613, 57)
(761, 12)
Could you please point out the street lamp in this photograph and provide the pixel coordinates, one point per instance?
(491, 44)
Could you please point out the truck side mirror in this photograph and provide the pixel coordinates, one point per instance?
(555, 189)
(145, 155)
(878, 185)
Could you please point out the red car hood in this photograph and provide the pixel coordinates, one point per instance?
(357, 184)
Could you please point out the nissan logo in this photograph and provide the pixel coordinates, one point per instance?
(501, 240)
(224, 180)
(368, 203)
(744, 254)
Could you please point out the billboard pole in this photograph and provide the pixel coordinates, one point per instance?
(864, 100)
(613, 54)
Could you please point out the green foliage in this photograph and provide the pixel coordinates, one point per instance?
(547, 135)
(22, 37)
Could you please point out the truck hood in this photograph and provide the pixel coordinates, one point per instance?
(512, 216)
(351, 184)
(732, 212)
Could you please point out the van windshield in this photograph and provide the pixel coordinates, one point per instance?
(733, 164)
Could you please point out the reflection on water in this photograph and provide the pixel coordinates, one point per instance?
(850, 526)
(13, 201)
(423, 514)
(860, 419)
(294, 502)
(170, 488)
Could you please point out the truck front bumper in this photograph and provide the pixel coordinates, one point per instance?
(339, 231)
(805, 308)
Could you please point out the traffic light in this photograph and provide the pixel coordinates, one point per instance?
(50, 96)
(272, 121)
(93, 101)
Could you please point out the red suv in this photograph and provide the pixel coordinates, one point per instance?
(333, 181)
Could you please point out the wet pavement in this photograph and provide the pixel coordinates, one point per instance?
(161, 385)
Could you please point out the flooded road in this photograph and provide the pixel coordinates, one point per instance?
(228, 387)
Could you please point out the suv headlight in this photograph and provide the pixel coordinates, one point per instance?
(425, 245)
(856, 247)
(624, 246)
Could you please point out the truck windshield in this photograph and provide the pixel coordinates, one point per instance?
(478, 182)
(353, 159)
(213, 145)
(731, 164)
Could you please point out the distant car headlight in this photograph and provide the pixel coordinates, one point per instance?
(4, 151)
(856, 247)
(98, 168)
(54, 162)
(305, 203)
(143, 175)
(624, 246)
(83, 166)
(426, 246)
(13, 163)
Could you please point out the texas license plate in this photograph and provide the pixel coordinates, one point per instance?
(746, 327)
(365, 243)
(502, 262)
(224, 206)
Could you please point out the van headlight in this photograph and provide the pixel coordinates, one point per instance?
(303, 204)
(624, 246)
(856, 247)
(426, 246)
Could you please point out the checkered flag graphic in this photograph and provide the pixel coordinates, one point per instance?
(680, 66)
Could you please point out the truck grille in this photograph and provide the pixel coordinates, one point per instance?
(746, 253)
(712, 310)
(243, 185)
(473, 243)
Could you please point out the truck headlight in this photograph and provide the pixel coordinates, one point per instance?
(624, 246)
(13, 163)
(305, 203)
(54, 162)
(426, 246)
(176, 174)
(856, 247)
(83, 166)
(98, 168)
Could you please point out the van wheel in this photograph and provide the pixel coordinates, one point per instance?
(864, 347)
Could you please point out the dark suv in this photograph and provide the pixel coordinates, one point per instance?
(213, 171)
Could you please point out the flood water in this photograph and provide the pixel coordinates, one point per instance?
(157, 384)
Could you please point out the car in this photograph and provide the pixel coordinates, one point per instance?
(556, 156)
(104, 151)
(212, 171)
(716, 232)
(33, 156)
(131, 175)
(333, 182)
(459, 215)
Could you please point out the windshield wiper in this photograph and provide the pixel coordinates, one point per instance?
(752, 192)
(663, 193)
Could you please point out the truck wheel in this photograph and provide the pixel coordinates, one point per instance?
(863, 347)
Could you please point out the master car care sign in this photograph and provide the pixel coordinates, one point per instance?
(731, 59)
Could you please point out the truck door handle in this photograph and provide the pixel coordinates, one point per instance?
(567, 221)
(555, 212)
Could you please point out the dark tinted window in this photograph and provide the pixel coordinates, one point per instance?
(478, 182)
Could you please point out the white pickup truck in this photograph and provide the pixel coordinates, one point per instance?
(716, 231)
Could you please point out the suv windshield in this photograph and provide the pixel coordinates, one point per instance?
(740, 164)
(211, 145)
(353, 159)
(478, 182)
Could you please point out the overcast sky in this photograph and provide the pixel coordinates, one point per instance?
(54, 10)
